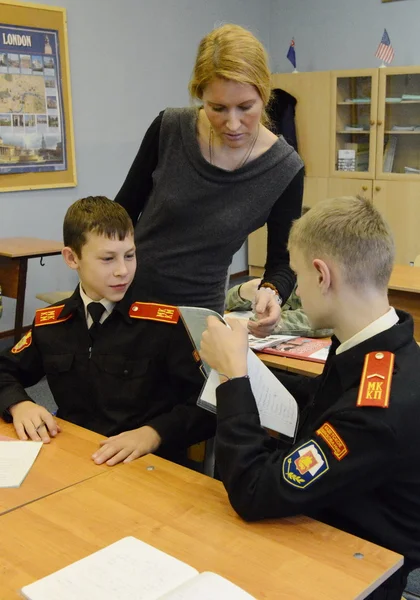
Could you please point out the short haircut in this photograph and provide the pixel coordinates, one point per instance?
(95, 214)
(351, 231)
(233, 53)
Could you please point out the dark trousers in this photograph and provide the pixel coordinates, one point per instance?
(392, 588)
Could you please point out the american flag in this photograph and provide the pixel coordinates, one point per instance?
(385, 51)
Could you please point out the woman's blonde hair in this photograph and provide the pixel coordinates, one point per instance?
(233, 53)
(351, 231)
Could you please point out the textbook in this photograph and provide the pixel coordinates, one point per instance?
(131, 569)
(277, 408)
(313, 349)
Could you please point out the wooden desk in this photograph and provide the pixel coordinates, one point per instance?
(293, 365)
(187, 515)
(14, 255)
(63, 462)
(404, 292)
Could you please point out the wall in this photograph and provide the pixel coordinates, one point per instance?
(342, 34)
(129, 59)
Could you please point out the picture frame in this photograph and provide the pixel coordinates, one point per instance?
(36, 119)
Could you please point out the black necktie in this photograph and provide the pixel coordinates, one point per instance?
(96, 310)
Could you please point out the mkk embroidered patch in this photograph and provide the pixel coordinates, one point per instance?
(305, 465)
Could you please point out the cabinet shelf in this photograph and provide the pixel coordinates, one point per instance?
(353, 103)
(403, 102)
(344, 132)
(393, 132)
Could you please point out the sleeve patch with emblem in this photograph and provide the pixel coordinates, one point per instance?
(23, 343)
(154, 312)
(305, 465)
(333, 440)
(375, 384)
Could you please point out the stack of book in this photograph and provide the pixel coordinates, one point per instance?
(361, 155)
(346, 160)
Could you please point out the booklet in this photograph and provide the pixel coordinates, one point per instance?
(313, 349)
(131, 569)
(277, 408)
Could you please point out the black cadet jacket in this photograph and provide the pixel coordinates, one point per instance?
(354, 467)
(137, 372)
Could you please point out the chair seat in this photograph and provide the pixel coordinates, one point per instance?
(53, 297)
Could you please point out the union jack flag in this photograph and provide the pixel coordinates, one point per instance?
(385, 51)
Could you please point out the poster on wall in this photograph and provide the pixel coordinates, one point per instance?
(32, 132)
(36, 126)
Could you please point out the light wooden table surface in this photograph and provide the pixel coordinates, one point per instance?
(188, 516)
(63, 462)
(14, 255)
(293, 365)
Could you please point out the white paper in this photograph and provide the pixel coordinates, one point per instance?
(124, 570)
(16, 459)
(208, 586)
(277, 408)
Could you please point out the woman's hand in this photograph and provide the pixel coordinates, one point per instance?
(267, 312)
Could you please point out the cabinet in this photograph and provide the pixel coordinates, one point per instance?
(376, 114)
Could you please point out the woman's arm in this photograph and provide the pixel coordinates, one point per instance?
(138, 183)
(287, 208)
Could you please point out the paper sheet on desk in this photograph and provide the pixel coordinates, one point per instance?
(277, 408)
(16, 459)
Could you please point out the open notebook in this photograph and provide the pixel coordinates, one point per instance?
(132, 570)
(277, 408)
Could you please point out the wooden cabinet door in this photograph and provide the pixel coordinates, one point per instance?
(398, 143)
(350, 187)
(354, 103)
(399, 202)
(316, 189)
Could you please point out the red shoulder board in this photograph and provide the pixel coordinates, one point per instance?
(375, 384)
(23, 343)
(154, 312)
(50, 315)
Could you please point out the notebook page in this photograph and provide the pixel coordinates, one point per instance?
(277, 408)
(124, 570)
(16, 459)
(208, 586)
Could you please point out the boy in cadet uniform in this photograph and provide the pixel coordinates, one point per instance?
(117, 366)
(355, 463)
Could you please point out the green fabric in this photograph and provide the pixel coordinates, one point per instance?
(293, 320)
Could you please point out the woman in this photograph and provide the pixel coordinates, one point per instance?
(206, 177)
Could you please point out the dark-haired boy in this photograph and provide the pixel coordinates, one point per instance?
(120, 367)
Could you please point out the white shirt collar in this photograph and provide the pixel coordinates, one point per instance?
(388, 320)
(107, 304)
